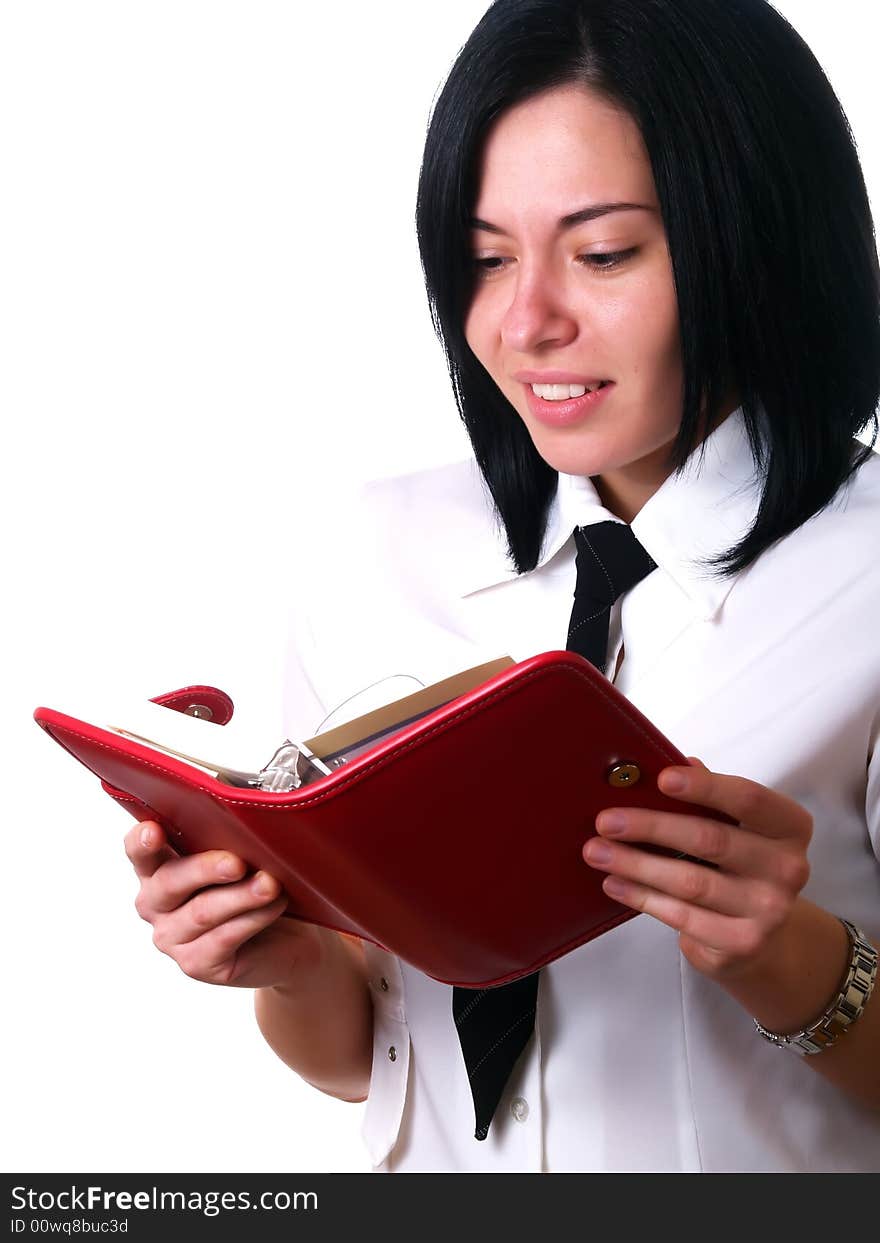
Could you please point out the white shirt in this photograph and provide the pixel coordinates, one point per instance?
(638, 1062)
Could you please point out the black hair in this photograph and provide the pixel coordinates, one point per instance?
(767, 221)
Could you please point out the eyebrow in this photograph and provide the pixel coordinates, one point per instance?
(577, 217)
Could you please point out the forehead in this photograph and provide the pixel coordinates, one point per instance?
(562, 149)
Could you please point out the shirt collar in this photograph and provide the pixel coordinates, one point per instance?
(706, 510)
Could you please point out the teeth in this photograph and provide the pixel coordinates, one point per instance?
(563, 392)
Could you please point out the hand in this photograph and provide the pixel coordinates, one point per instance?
(218, 924)
(727, 917)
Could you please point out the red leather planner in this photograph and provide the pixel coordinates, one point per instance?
(455, 844)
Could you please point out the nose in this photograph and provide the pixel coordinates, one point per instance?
(538, 315)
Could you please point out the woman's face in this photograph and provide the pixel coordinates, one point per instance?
(583, 301)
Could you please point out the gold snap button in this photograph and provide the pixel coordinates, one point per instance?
(621, 775)
(202, 711)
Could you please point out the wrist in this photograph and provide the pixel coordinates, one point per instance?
(318, 956)
(845, 1008)
(800, 972)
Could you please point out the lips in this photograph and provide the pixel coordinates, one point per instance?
(567, 413)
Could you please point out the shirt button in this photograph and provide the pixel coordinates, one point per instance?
(392, 1054)
(383, 984)
(519, 1108)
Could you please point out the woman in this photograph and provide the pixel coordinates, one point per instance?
(650, 260)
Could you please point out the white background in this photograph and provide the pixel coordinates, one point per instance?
(211, 309)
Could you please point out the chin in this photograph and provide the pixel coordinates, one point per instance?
(575, 451)
(594, 448)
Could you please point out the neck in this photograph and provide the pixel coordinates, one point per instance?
(624, 492)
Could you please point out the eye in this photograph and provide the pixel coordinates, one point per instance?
(604, 261)
(599, 261)
(485, 267)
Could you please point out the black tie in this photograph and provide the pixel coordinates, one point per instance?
(494, 1024)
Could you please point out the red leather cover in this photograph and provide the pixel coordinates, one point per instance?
(456, 844)
(218, 703)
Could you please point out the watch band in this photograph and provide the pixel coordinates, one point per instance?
(846, 1007)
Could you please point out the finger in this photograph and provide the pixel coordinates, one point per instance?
(719, 936)
(215, 906)
(175, 881)
(146, 847)
(691, 883)
(762, 809)
(739, 850)
(214, 956)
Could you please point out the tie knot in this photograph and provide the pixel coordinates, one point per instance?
(610, 560)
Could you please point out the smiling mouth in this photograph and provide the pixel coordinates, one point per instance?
(568, 404)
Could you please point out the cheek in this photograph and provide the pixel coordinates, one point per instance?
(660, 324)
(644, 325)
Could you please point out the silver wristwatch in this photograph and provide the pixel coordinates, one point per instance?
(846, 1007)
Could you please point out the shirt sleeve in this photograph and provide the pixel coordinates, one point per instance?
(391, 1055)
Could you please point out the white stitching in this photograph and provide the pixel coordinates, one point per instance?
(475, 1001)
(584, 621)
(586, 540)
(529, 1014)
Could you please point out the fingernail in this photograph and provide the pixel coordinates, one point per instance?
(147, 838)
(611, 823)
(263, 884)
(672, 781)
(614, 886)
(227, 866)
(598, 851)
